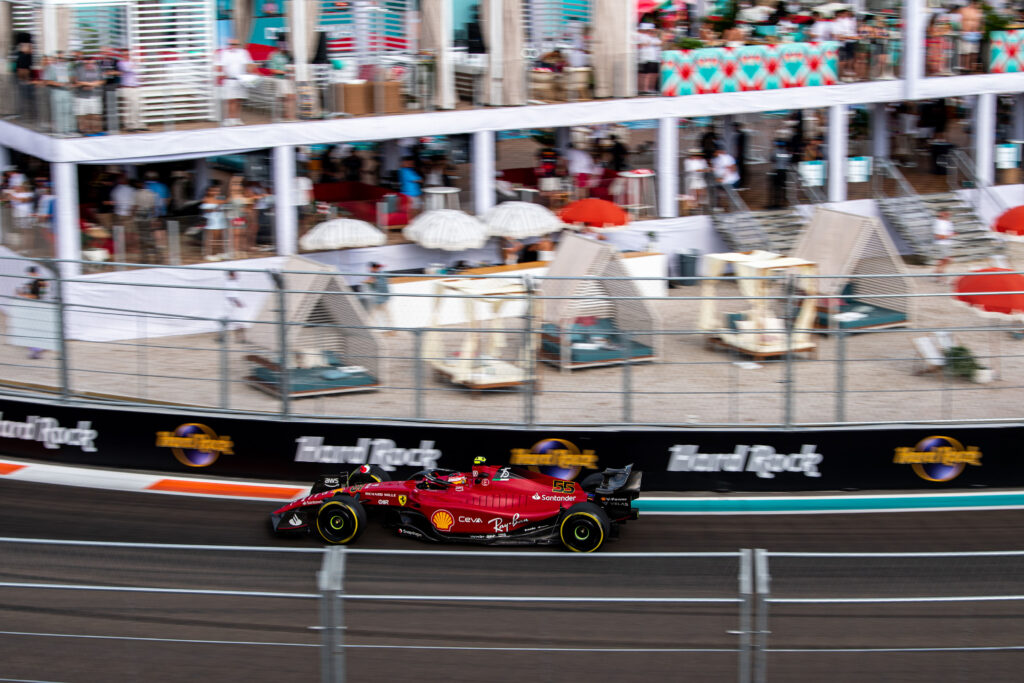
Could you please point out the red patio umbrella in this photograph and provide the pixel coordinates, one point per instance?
(977, 290)
(594, 212)
(1011, 224)
(993, 293)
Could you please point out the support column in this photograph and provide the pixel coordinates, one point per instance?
(838, 123)
(299, 42)
(668, 167)
(285, 222)
(880, 130)
(483, 171)
(437, 38)
(200, 179)
(563, 136)
(66, 228)
(1018, 117)
(984, 138)
(912, 52)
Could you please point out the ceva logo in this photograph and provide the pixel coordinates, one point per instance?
(938, 458)
(195, 445)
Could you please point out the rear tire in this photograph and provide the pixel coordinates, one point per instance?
(372, 475)
(340, 520)
(584, 528)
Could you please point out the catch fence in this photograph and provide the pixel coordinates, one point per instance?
(302, 345)
(748, 615)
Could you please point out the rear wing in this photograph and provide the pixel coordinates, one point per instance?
(619, 488)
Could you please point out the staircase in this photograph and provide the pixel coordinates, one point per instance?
(912, 216)
(746, 230)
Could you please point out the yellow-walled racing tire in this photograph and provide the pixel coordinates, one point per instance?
(340, 520)
(584, 528)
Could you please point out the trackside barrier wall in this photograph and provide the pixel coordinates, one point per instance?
(790, 616)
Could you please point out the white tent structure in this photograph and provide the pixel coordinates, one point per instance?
(484, 360)
(759, 332)
(328, 343)
(593, 326)
(846, 245)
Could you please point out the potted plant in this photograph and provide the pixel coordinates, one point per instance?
(960, 362)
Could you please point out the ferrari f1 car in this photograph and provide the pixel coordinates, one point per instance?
(490, 505)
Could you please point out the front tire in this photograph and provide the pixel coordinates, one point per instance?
(584, 528)
(340, 520)
(373, 474)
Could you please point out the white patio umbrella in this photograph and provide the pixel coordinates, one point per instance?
(446, 229)
(518, 220)
(342, 233)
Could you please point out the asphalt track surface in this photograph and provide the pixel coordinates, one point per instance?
(77, 635)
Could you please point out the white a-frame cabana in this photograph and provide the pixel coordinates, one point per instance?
(593, 312)
(851, 249)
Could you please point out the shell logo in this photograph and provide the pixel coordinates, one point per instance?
(442, 520)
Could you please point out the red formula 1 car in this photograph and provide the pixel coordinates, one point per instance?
(490, 505)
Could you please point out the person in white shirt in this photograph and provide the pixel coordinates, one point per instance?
(943, 234)
(821, 30)
(844, 29)
(22, 205)
(233, 64)
(581, 169)
(649, 55)
(123, 197)
(696, 169)
(723, 165)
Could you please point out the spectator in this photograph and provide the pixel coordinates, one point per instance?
(510, 249)
(302, 198)
(353, 165)
(819, 29)
(581, 169)
(548, 162)
(943, 241)
(376, 299)
(107, 63)
(123, 199)
(724, 167)
(279, 64)
(215, 226)
(619, 154)
(844, 29)
(146, 203)
(233, 306)
(780, 161)
(34, 289)
(44, 210)
(58, 78)
(649, 53)
(410, 183)
(696, 170)
(233, 64)
(130, 94)
(89, 83)
(739, 147)
(26, 83)
(971, 17)
(22, 207)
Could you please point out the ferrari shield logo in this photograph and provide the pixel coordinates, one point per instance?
(402, 499)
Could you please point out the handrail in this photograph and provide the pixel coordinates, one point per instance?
(742, 212)
(922, 240)
(958, 162)
(813, 193)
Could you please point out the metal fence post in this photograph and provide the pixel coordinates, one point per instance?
(746, 579)
(762, 585)
(282, 341)
(62, 343)
(224, 363)
(841, 375)
(173, 243)
(627, 389)
(530, 394)
(788, 382)
(417, 350)
(331, 582)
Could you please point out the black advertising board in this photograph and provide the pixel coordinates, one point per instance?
(672, 460)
